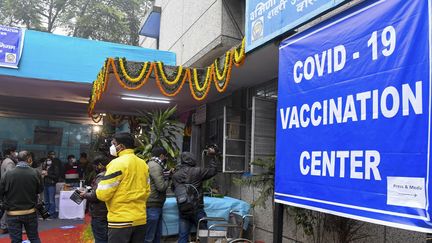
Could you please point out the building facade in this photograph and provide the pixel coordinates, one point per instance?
(242, 123)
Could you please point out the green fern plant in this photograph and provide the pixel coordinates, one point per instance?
(264, 180)
(158, 129)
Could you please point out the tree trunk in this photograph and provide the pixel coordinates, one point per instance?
(82, 13)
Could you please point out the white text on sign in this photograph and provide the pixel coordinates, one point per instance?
(361, 164)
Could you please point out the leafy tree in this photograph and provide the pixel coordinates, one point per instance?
(21, 13)
(107, 20)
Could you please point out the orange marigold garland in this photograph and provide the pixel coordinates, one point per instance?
(239, 55)
(200, 91)
(171, 91)
(227, 63)
(162, 73)
(124, 82)
(170, 87)
(123, 68)
(222, 81)
(99, 86)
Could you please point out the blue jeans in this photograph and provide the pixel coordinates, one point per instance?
(30, 223)
(154, 225)
(100, 229)
(186, 223)
(49, 197)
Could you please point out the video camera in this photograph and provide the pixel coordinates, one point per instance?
(40, 208)
(214, 147)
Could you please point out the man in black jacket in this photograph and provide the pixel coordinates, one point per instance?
(98, 209)
(19, 190)
(51, 173)
(188, 173)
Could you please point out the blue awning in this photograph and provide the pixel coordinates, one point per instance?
(151, 26)
(54, 57)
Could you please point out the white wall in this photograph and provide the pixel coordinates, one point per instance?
(193, 29)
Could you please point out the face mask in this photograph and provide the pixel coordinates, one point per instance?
(113, 150)
(49, 162)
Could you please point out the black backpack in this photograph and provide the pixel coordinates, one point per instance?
(187, 199)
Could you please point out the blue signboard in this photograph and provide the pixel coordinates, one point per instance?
(354, 115)
(11, 43)
(267, 19)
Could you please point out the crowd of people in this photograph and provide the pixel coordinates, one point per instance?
(127, 193)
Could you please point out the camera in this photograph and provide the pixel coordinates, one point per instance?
(40, 207)
(214, 147)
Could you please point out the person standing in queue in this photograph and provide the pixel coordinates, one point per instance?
(86, 170)
(51, 173)
(191, 177)
(98, 209)
(159, 182)
(19, 190)
(125, 189)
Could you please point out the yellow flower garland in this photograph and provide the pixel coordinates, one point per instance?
(165, 79)
(162, 90)
(239, 57)
(126, 75)
(227, 62)
(235, 56)
(206, 84)
(206, 81)
(222, 88)
(123, 84)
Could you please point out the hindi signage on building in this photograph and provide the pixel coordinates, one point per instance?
(267, 19)
(11, 44)
(354, 115)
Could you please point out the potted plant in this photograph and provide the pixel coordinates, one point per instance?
(158, 129)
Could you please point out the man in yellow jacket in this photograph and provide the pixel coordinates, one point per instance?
(125, 189)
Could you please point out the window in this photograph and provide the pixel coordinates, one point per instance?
(234, 140)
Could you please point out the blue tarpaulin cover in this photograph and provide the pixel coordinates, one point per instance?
(214, 207)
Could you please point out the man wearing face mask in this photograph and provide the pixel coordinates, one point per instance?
(159, 182)
(71, 171)
(8, 164)
(51, 174)
(125, 189)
